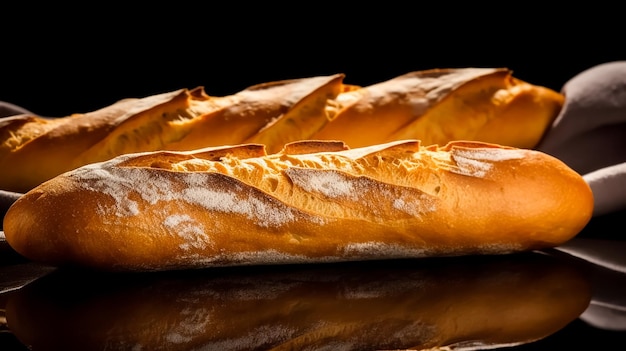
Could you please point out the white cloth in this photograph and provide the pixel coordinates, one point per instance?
(589, 134)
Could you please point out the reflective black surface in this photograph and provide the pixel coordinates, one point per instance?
(356, 306)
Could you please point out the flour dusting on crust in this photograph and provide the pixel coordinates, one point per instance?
(478, 162)
(380, 249)
(189, 229)
(366, 194)
(329, 183)
(204, 189)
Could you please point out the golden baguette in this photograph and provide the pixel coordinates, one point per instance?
(310, 203)
(442, 105)
(435, 106)
(35, 149)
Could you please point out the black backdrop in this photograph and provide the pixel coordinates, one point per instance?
(56, 61)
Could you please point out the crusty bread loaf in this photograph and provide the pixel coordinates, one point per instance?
(488, 105)
(435, 106)
(313, 202)
(35, 149)
(482, 303)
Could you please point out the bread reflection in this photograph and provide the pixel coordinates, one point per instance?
(354, 306)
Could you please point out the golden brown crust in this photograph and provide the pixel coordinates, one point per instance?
(45, 148)
(442, 105)
(271, 113)
(384, 201)
(435, 106)
(180, 120)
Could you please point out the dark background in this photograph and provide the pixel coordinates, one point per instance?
(57, 61)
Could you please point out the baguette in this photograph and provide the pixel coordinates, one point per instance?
(442, 105)
(481, 303)
(36, 149)
(312, 202)
(435, 106)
